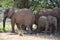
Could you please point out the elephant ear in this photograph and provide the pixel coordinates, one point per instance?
(11, 12)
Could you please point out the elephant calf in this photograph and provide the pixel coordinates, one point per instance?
(46, 22)
(43, 22)
(52, 22)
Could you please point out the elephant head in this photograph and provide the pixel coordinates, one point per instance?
(7, 14)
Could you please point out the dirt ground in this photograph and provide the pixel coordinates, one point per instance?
(13, 36)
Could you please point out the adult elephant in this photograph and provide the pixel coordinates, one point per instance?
(20, 17)
(57, 14)
(45, 12)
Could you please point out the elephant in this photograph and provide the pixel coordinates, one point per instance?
(19, 17)
(43, 23)
(52, 21)
(46, 22)
(45, 12)
(42, 12)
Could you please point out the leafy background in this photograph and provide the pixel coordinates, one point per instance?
(34, 4)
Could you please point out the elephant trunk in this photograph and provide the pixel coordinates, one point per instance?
(4, 24)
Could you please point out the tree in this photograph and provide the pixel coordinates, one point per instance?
(22, 3)
(6, 3)
(35, 5)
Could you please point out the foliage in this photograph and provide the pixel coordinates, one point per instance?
(34, 4)
(6, 3)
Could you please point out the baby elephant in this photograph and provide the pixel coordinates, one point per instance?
(43, 22)
(46, 22)
(52, 22)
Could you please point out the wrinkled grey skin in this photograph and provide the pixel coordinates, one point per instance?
(20, 17)
(52, 21)
(53, 12)
(43, 22)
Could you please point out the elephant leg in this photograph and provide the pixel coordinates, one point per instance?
(38, 28)
(58, 27)
(23, 27)
(20, 31)
(50, 29)
(13, 24)
(18, 26)
(4, 24)
(55, 25)
(29, 31)
(46, 28)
